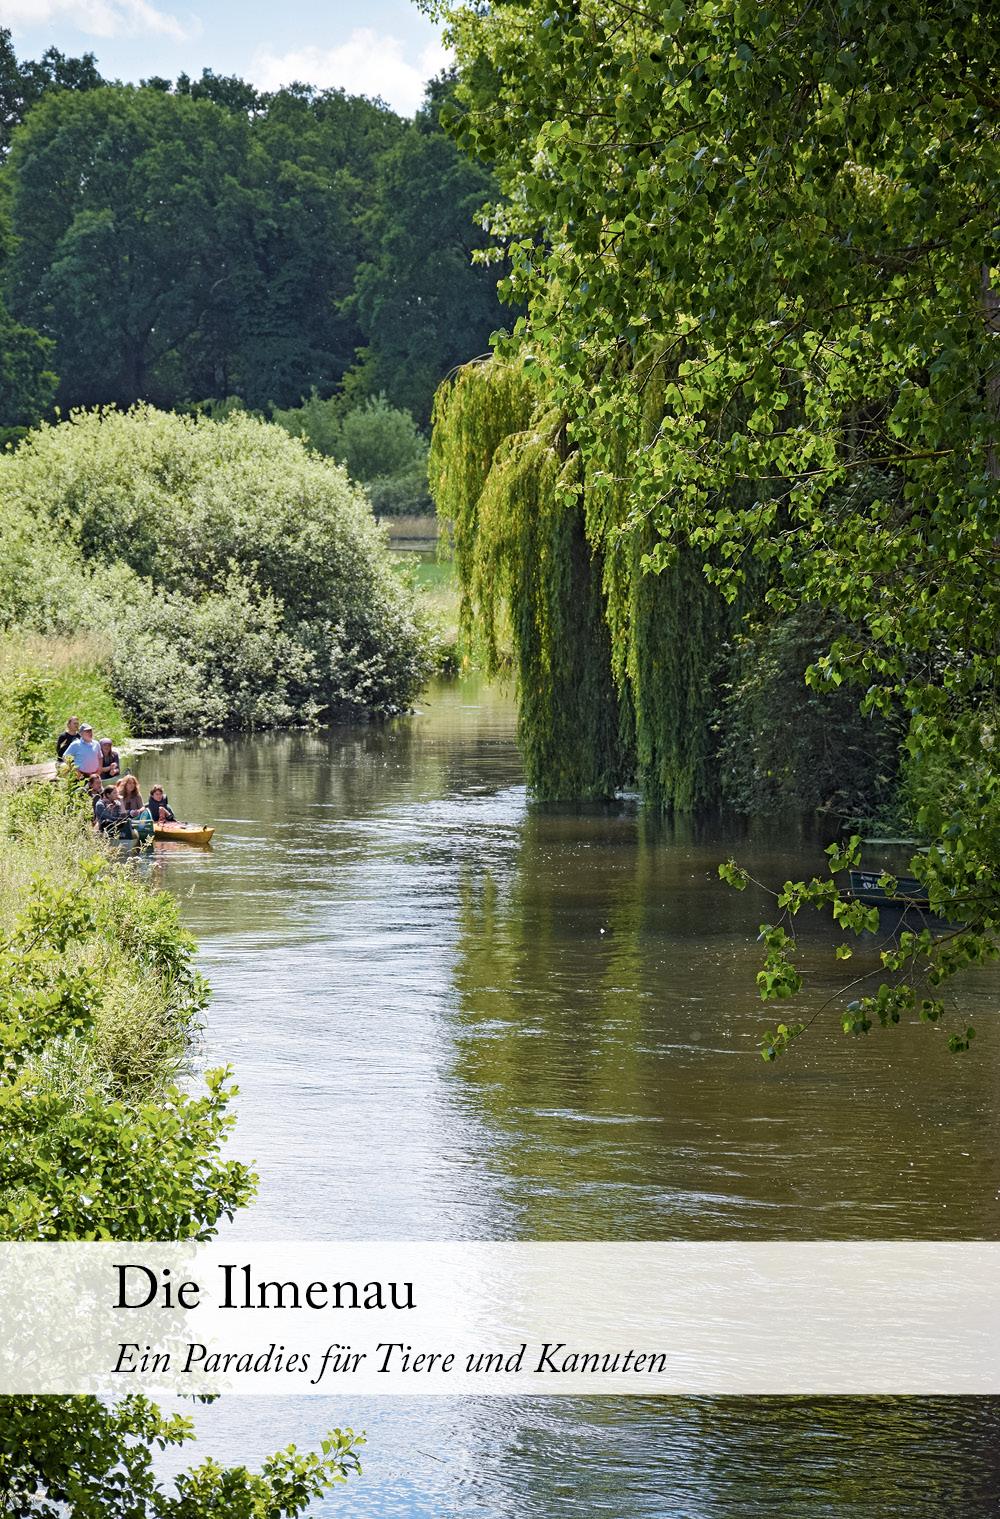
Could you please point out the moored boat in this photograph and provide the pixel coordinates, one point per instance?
(185, 833)
(865, 887)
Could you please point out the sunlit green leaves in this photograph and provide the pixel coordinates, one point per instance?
(755, 248)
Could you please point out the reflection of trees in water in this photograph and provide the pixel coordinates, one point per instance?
(269, 779)
(556, 1024)
(605, 1029)
(770, 1458)
(461, 734)
(575, 1020)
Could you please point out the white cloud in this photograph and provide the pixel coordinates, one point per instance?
(366, 64)
(99, 18)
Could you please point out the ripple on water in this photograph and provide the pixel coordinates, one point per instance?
(457, 1014)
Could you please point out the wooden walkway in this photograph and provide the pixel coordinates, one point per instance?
(43, 772)
(48, 769)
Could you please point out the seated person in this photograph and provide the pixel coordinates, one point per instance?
(110, 815)
(110, 763)
(159, 807)
(131, 796)
(94, 789)
(85, 752)
(71, 731)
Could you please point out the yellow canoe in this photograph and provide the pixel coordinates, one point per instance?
(187, 833)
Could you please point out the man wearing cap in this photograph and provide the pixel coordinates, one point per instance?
(85, 752)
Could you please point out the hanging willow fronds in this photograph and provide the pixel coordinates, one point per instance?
(615, 667)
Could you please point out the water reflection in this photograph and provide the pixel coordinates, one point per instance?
(455, 1014)
(606, 1024)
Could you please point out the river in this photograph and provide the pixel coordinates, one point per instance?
(455, 1014)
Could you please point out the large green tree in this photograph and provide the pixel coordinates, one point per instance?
(198, 242)
(421, 302)
(177, 242)
(758, 245)
(22, 84)
(118, 199)
(316, 163)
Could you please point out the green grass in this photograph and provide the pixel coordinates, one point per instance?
(69, 678)
(436, 582)
(141, 1015)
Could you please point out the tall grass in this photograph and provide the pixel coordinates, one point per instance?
(69, 676)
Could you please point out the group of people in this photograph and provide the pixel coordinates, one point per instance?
(120, 809)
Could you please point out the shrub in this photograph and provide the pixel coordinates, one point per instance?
(378, 444)
(225, 661)
(404, 495)
(316, 421)
(242, 578)
(26, 714)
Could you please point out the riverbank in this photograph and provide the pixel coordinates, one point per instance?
(45, 678)
(108, 1000)
(99, 1004)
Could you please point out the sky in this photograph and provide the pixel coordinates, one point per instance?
(367, 47)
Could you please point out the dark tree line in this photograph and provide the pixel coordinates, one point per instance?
(180, 242)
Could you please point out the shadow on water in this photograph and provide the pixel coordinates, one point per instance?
(456, 1014)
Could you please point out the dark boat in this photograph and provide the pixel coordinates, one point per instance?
(865, 887)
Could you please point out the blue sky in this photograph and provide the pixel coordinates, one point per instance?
(369, 47)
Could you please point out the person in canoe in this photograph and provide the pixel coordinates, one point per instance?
(110, 762)
(132, 800)
(94, 789)
(69, 733)
(110, 816)
(159, 807)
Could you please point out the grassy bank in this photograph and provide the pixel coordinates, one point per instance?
(98, 1002)
(435, 584)
(122, 951)
(43, 679)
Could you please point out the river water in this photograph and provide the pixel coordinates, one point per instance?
(455, 1014)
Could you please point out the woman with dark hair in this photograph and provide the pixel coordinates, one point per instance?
(159, 807)
(110, 763)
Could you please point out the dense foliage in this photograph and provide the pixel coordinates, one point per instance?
(828, 756)
(23, 82)
(418, 298)
(238, 579)
(378, 444)
(176, 243)
(98, 1141)
(757, 247)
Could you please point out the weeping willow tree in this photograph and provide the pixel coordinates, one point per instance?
(616, 668)
(507, 480)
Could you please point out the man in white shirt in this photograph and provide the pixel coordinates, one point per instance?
(85, 752)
